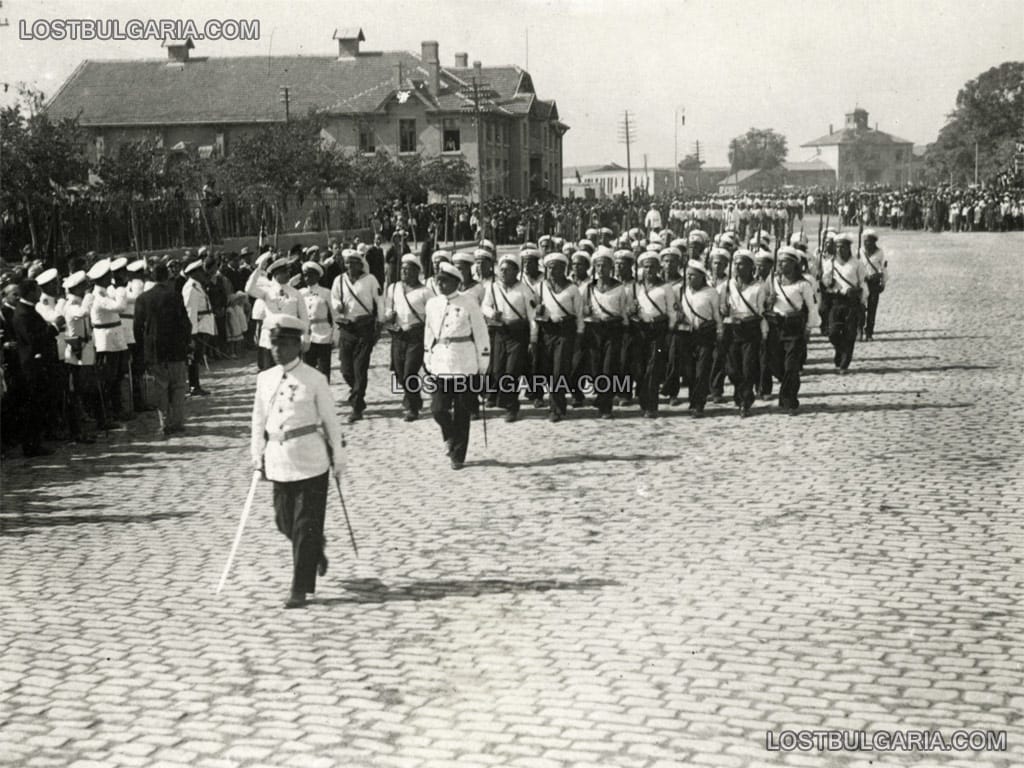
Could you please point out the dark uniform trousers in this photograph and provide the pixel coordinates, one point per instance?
(674, 367)
(319, 356)
(135, 352)
(652, 354)
(698, 351)
(720, 362)
(299, 510)
(354, 350)
(110, 370)
(37, 385)
(764, 380)
(406, 362)
(580, 368)
(555, 352)
(787, 347)
(450, 405)
(874, 291)
(632, 354)
(825, 310)
(510, 355)
(744, 360)
(843, 323)
(603, 342)
(199, 350)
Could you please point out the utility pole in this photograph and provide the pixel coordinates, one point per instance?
(285, 101)
(696, 154)
(680, 120)
(476, 92)
(627, 132)
(646, 177)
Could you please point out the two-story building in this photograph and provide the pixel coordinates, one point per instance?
(862, 155)
(391, 100)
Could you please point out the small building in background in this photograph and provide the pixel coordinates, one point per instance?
(861, 155)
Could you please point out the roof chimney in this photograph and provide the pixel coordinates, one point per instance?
(398, 76)
(429, 49)
(830, 131)
(348, 39)
(477, 65)
(461, 60)
(177, 50)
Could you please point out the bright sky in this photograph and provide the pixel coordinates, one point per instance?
(792, 65)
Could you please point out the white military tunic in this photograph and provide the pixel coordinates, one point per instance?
(455, 339)
(105, 314)
(277, 299)
(76, 315)
(197, 304)
(318, 309)
(296, 397)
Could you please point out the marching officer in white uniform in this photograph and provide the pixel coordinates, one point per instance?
(200, 314)
(296, 443)
(321, 319)
(270, 285)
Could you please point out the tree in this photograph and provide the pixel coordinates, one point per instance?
(690, 163)
(38, 160)
(130, 180)
(989, 118)
(757, 148)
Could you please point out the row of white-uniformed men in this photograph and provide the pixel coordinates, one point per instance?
(405, 307)
(98, 307)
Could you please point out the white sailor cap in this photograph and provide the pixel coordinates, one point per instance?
(798, 238)
(789, 252)
(412, 258)
(763, 255)
(118, 264)
(671, 251)
(654, 245)
(312, 265)
(844, 237)
(729, 239)
(512, 258)
(743, 253)
(698, 236)
(623, 254)
(720, 253)
(463, 257)
(650, 256)
(282, 325)
(488, 245)
(438, 256)
(527, 245)
(99, 269)
(75, 278)
(450, 270)
(585, 243)
(551, 258)
(203, 251)
(656, 240)
(696, 266)
(295, 281)
(483, 253)
(581, 256)
(570, 248)
(193, 266)
(350, 253)
(137, 266)
(281, 263)
(590, 233)
(529, 253)
(362, 248)
(46, 276)
(602, 253)
(870, 233)
(312, 249)
(544, 239)
(679, 242)
(606, 231)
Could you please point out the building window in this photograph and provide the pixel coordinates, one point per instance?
(451, 137)
(366, 144)
(406, 135)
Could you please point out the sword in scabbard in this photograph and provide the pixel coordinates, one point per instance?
(241, 527)
(341, 496)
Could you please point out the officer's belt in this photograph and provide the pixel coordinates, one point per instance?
(290, 434)
(102, 326)
(126, 317)
(200, 313)
(454, 339)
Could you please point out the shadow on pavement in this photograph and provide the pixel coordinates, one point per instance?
(855, 369)
(876, 407)
(576, 458)
(376, 591)
(26, 523)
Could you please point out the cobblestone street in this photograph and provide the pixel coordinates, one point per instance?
(635, 594)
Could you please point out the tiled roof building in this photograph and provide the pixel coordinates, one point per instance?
(393, 100)
(862, 155)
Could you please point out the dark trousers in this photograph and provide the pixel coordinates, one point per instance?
(652, 354)
(555, 351)
(632, 355)
(786, 351)
(492, 392)
(81, 395)
(135, 371)
(744, 361)
(354, 354)
(451, 410)
(110, 370)
(698, 351)
(825, 310)
(406, 362)
(299, 510)
(580, 368)
(765, 380)
(674, 364)
(319, 356)
(510, 355)
(199, 352)
(35, 387)
(874, 291)
(604, 348)
(720, 362)
(843, 323)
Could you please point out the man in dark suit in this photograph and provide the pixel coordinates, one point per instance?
(163, 328)
(39, 365)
